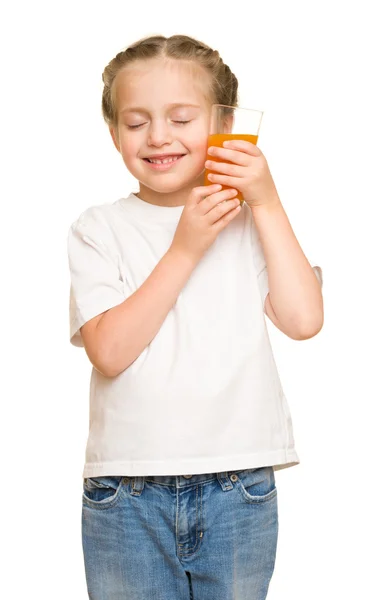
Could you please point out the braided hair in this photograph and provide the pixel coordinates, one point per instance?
(223, 83)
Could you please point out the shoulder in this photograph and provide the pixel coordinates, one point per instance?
(96, 220)
(95, 214)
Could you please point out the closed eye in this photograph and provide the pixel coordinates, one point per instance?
(140, 124)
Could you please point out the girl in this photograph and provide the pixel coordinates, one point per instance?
(169, 287)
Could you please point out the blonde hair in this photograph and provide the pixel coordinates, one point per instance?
(224, 84)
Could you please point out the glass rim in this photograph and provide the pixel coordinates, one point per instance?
(240, 108)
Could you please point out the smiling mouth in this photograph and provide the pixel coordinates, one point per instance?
(163, 161)
(162, 165)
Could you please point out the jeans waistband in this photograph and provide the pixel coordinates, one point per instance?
(181, 481)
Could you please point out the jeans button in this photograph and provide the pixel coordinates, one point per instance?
(187, 476)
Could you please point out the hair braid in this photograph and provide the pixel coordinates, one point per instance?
(223, 83)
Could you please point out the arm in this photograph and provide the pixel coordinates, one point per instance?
(295, 302)
(123, 332)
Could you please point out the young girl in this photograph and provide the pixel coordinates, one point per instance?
(169, 288)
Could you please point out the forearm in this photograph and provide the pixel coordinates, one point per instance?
(295, 292)
(126, 330)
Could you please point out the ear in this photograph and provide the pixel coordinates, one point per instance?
(114, 138)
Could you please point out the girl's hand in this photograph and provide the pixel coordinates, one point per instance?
(249, 173)
(207, 211)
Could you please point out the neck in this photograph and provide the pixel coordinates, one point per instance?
(176, 198)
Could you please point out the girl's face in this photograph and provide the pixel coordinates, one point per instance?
(162, 112)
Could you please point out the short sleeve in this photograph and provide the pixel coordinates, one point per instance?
(96, 282)
(261, 268)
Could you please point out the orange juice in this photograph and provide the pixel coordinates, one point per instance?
(217, 139)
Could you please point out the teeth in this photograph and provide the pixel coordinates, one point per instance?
(163, 162)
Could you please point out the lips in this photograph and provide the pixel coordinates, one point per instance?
(162, 156)
(164, 166)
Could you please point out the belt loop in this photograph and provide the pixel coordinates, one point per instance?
(137, 485)
(225, 481)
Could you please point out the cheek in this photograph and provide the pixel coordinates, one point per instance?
(201, 147)
(199, 141)
(129, 148)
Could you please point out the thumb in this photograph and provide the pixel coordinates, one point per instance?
(201, 192)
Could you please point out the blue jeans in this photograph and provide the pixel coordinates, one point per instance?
(186, 537)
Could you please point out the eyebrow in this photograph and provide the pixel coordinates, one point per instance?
(141, 109)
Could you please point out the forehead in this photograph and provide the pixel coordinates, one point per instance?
(156, 83)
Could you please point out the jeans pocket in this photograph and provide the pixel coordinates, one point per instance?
(257, 485)
(102, 490)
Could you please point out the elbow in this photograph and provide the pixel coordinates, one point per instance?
(111, 370)
(102, 368)
(309, 330)
(107, 372)
(102, 371)
(100, 364)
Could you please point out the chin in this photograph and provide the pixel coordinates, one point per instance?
(170, 187)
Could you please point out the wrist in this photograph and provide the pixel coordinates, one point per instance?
(182, 258)
(272, 205)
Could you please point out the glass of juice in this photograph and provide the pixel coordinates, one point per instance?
(231, 123)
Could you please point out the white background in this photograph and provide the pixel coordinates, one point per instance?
(301, 63)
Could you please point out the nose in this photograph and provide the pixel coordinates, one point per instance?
(159, 133)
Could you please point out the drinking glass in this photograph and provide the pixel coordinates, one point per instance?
(231, 123)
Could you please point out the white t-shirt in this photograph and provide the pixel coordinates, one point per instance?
(204, 396)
